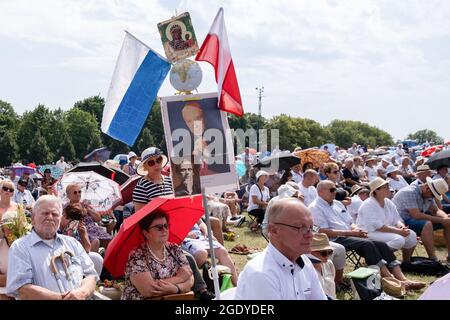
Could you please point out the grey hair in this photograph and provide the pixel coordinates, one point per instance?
(279, 207)
(47, 199)
(310, 172)
(324, 185)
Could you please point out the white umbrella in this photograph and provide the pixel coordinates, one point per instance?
(101, 193)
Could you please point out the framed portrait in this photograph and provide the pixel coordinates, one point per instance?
(178, 37)
(198, 140)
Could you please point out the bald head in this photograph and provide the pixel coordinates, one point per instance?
(284, 207)
(290, 227)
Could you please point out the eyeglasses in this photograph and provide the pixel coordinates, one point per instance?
(325, 253)
(151, 163)
(23, 184)
(160, 227)
(77, 192)
(301, 229)
(6, 189)
(332, 190)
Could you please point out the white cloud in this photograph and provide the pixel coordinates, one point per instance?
(374, 61)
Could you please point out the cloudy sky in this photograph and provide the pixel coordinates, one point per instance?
(382, 62)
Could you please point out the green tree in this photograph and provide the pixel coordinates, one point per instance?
(8, 147)
(94, 105)
(50, 125)
(83, 129)
(9, 121)
(39, 150)
(155, 126)
(145, 140)
(66, 148)
(425, 135)
(345, 132)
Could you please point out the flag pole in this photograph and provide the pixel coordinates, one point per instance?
(210, 239)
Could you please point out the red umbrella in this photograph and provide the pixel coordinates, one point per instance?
(428, 152)
(183, 214)
(127, 188)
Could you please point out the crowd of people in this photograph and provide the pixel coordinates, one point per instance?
(310, 216)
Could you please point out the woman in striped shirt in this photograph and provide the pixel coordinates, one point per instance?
(153, 183)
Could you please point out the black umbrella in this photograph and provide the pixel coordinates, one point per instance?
(441, 158)
(114, 174)
(280, 161)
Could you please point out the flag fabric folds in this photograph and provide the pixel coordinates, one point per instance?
(216, 51)
(138, 75)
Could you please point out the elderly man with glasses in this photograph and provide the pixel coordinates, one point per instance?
(281, 271)
(333, 219)
(23, 196)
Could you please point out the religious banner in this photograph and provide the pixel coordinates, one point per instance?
(199, 144)
(178, 37)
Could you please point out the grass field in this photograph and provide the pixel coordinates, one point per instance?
(257, 241)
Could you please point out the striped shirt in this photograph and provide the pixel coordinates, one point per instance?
(146, 190)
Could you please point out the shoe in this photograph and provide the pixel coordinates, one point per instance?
(234, 218)
(414, 285)
(207, 295)
(240, 222)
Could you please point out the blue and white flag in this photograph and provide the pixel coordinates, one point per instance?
(138, 75)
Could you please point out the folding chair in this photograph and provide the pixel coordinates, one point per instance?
(354, 258)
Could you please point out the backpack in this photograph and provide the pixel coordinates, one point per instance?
(365, 283)
(425, 266)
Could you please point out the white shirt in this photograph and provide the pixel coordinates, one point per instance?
(354, 207)
(272, 276)
(371, 173)
(371, 216)
(297, 177)
(309, 193)
(254, 191)
(334, 216)
(61, 164)
(24, 198)
(397, 184)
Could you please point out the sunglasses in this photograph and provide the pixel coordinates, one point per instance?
(160, 227)
(151, 163)
(334, 172)
(332, 190)
(77, 192)
(6, 189)
(325, 253)
(23, 184)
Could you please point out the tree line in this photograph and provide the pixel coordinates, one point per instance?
(43, 135)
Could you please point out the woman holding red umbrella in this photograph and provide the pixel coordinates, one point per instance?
(157, 267)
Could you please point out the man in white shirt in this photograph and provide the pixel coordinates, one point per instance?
(281, 272)
(23, 196)
(297, 175)
(61, 164)
(307, 189)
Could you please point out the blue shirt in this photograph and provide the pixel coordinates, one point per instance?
(29, 263)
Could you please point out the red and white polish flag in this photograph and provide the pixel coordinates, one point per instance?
(216, 51)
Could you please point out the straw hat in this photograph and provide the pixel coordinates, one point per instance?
(376, 183)
(393, 287)
(146, 155)
(286, 191)
(438, 187)
(320, 242)
(355, 189)
(423, 167)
